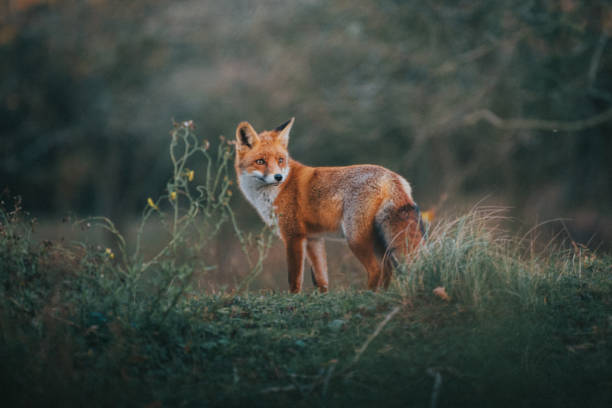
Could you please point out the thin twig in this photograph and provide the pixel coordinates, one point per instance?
(279, 389)
(330, 372)
(594, 65)
(372, 336)
(435, 393)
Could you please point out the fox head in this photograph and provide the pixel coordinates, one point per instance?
(263, 158)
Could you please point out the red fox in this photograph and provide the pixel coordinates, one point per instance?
(372, 207)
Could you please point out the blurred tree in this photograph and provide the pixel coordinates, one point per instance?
(511, 98)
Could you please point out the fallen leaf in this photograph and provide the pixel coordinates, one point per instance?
(441, 293)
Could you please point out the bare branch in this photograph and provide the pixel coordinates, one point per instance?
(537, 124)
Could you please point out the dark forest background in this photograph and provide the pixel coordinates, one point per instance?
(510, 101)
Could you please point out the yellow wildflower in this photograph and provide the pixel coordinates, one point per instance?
(152, 204)
(110, 253)
(190, 174)
(229, 193)
(173, 195)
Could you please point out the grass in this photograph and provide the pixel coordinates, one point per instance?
(83, 325)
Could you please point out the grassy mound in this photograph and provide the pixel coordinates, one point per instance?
(512, 327)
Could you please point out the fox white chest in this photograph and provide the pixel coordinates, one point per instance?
(261, 196)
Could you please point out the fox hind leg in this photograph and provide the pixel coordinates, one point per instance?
(390, 264)
(365, 249)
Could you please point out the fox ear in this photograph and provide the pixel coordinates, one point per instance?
(246, 135)
(283, 131)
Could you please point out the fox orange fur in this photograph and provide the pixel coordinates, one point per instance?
(370, 205)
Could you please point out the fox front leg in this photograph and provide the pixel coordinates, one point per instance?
(315, 249)
(295, 263)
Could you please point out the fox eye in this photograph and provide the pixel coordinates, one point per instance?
(281, 160)
(260, 161)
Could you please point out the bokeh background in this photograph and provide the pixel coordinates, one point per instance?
(509, 102)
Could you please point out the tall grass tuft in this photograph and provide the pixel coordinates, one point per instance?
(479, 264)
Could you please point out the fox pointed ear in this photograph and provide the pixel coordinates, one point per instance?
(246, 135)
(283, 131)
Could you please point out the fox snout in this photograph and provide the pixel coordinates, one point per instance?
(274, 178)
(270, 178)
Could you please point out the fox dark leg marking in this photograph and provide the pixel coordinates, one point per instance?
(390, 262)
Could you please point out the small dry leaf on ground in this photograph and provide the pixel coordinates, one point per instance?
(441, 293)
